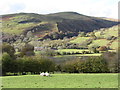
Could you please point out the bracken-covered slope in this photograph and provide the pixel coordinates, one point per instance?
(41, 25)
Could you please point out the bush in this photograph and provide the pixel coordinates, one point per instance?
(95, 65)
(93, 48)
(27, 50)
(85, 52)
(7, 63)
(90, 65)
(27, 64)
(112, 61)
(64, 53)
(109, 37)
(49, 52)
(69, 67)
(8, 49)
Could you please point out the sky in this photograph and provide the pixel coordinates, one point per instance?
(97, 8)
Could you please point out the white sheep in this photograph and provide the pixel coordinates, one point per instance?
(42, 74)
(47, 74)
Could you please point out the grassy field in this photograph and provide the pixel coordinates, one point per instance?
(114, 45)
(107, 32)
(100, 42)
(62, 81)
(72, 50)
(80, 40)
(80, 55)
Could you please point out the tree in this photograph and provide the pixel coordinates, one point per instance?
(95, 65)
(82, 34)
(49, 52)
(27, 50)
(93, 48)
(7, 63)
(112, 61)
(109, 37)
(8, 49)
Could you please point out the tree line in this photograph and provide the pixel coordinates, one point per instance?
(28, 62)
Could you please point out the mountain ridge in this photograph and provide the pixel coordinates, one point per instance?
(41, 25)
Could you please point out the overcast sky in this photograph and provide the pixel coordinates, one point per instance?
(98, 8)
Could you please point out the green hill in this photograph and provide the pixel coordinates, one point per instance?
(65, 24)
(65, 21)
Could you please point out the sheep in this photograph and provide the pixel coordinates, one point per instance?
(42, 74)
(47, 74)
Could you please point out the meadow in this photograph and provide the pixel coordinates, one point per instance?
(72, 50)
(80, 39)
(62, 81)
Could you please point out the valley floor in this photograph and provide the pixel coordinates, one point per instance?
(62, 81)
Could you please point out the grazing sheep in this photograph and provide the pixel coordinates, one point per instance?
(47, 74)
(42, 74)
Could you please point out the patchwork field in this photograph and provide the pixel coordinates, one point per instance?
(80, 40)
(62, 81)
(72, 50)
(100, 42)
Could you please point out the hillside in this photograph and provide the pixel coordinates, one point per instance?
(104, 37)
(64, 23)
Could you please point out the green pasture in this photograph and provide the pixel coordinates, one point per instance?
(80, 40)
(114, 45)
(62, 81)
(113, 31)
(100, 42)
(80, 55)
(72, 50)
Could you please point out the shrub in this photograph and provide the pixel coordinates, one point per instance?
(69, 67)
(90, 65)
(27, 50)
(112, 61)
(49, 52)
(93, 48)
(27, 64)
(58, 67)
(8, 49)
(85, 52)
(95, 65)
(7, 63)
(64, 53)
(109, 37)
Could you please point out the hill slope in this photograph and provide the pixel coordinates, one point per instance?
(42, 25)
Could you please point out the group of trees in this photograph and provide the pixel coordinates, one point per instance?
(26, 64)
(107, 63)
(90, 65)
(102, 64)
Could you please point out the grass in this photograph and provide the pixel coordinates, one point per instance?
(96, 54)
(15, 28)
(72, 50)
(114, 45)
(12, 26)
(62, 81)
(100, 42)
(80, 40)
(113, 31)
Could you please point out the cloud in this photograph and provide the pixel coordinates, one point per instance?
(98, 8)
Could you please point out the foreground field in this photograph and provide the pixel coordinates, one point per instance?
(62, 81)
